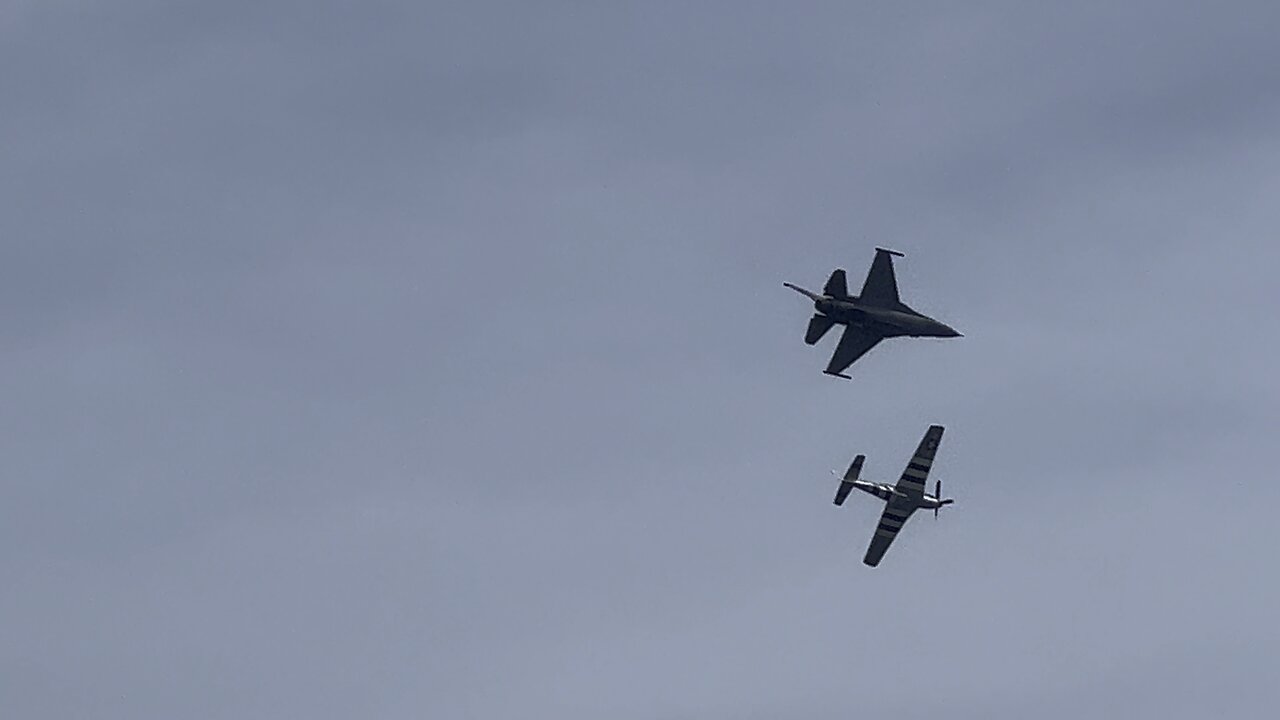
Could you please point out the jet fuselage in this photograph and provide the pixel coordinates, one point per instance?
(887, 322)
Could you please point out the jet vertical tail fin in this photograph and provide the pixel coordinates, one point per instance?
(807, 293)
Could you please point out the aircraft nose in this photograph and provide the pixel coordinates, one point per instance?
(950, 331)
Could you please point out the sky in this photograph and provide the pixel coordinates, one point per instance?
(402, 360)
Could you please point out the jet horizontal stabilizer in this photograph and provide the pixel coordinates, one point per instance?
(818, 326)
(836, 287)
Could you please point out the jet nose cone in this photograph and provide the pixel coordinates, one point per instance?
(948, 331)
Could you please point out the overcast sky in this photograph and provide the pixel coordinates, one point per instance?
(421, 360)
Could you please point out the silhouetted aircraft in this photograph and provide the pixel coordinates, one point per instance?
(869, 317)
(901, 499)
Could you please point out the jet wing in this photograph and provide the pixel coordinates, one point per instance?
(854, 343)
(913, 478)
(881, 287)
(891, 521)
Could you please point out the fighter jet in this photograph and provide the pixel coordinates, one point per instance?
(873, 315)
(901, 500)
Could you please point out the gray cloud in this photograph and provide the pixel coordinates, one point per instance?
(403, 360)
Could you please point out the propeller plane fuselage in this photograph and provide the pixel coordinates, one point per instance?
(885, 491)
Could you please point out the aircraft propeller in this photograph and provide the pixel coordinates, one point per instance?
(937, 493)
